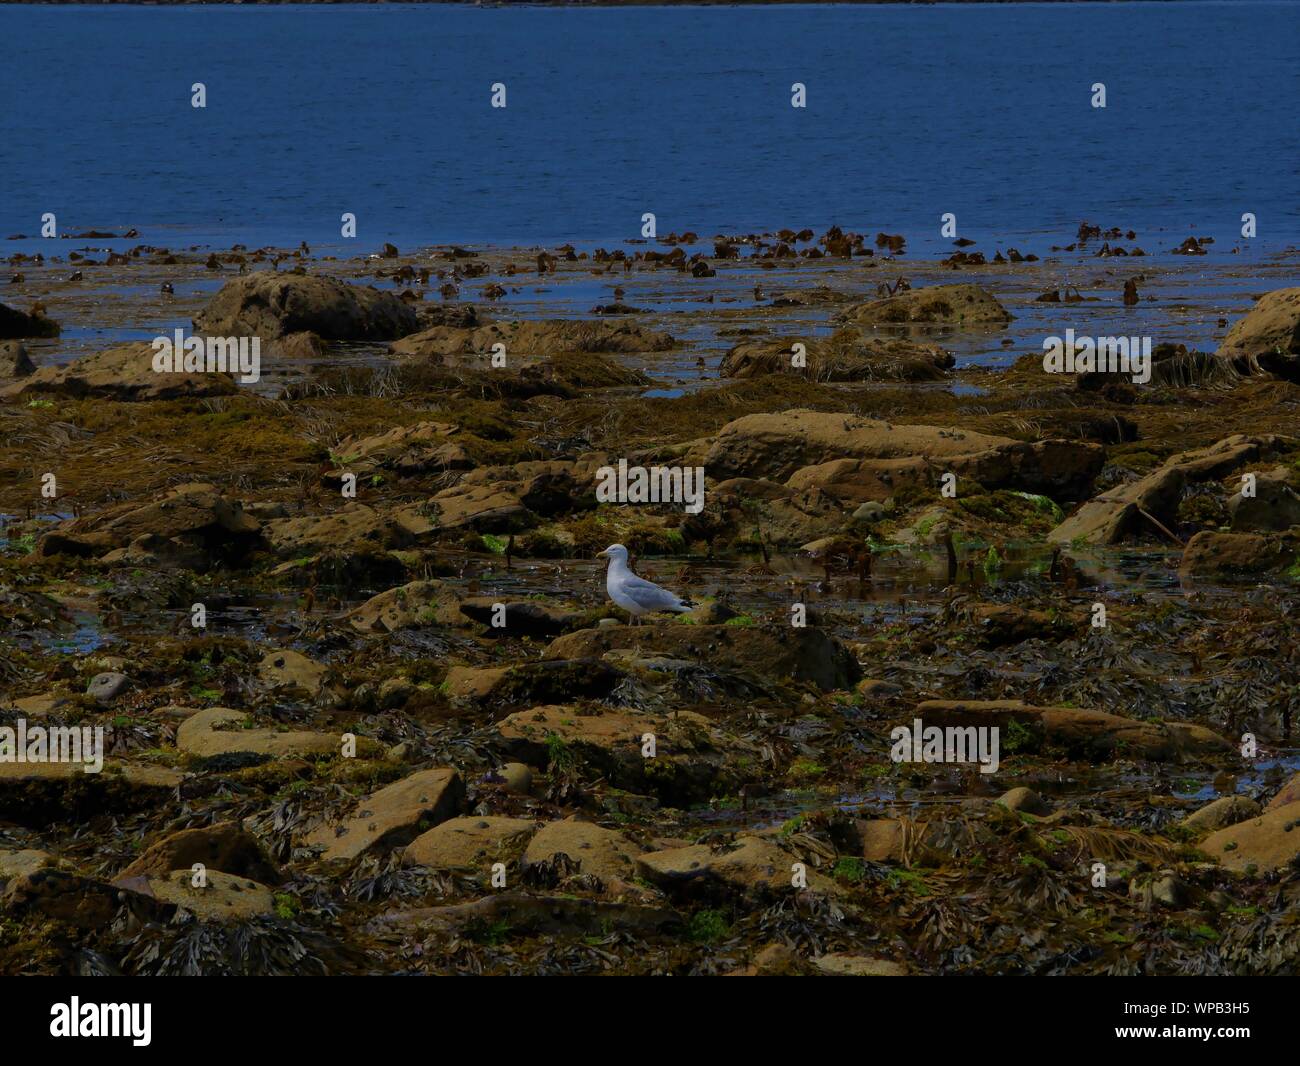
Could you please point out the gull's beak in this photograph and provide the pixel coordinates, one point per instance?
(602, 555)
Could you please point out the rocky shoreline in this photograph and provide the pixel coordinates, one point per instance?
(407, 732)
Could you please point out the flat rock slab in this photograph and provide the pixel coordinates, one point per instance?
(751, 865)
(471, 843)
(393, 815)
(606, 853)
(840, 965)
(781, 654)
(203, 734)
(1269, 842)
(225, 898)
(1094, 734)
(27, 861)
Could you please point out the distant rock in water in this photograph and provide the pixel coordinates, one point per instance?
(270, 305)
(936, 305)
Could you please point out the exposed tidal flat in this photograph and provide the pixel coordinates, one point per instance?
(989, 664)
(403, 729)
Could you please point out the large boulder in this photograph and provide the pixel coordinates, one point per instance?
(1120, 512)
(1268, 338)
(271, 305)
(15, 324)
(943, 306)
(1238, 554)
(122, 373)
(775, 446)
(192, 526)
(1269, 842)
(531, 339)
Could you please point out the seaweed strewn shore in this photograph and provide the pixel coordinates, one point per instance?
(351, 652)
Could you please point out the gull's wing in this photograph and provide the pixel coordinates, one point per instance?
(647, 593)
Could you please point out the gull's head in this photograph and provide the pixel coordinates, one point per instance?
(614, 551)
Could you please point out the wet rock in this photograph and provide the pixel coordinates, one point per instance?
(790, 516)
(393, 816)
(960, 306)
(408, 451)
(123, 373)
(1086, 733)
(222, 898)
(471, 843)
(775, 960)
(418, 603)
(517, 777)
(1267, 339)
(999, 624)
(1024, 799)
(26, 861)
(14, 361)
(846, 356)
(225, 846)
(395, 692)
(845, 965)
(1118, 513)
(693, 759)
(220, 731)
(191, 525)
(528, 618)
(1221, 813)
(1225, 554)
(34, 793)
(485, 508)
(269, 304)
(63, 896)
(712, 613)
(105, 688)
(532, 339)
(779, 654)
(532, 682)
(15, 324)
(1273, 507)
(353, 528)
(1269, 842)
(286, 669)
(752, 865)
(606, 853)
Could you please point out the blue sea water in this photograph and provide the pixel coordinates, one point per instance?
(912, 111)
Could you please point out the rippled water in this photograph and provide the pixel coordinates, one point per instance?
(913, 111)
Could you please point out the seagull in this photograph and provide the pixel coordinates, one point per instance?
(634, 594)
